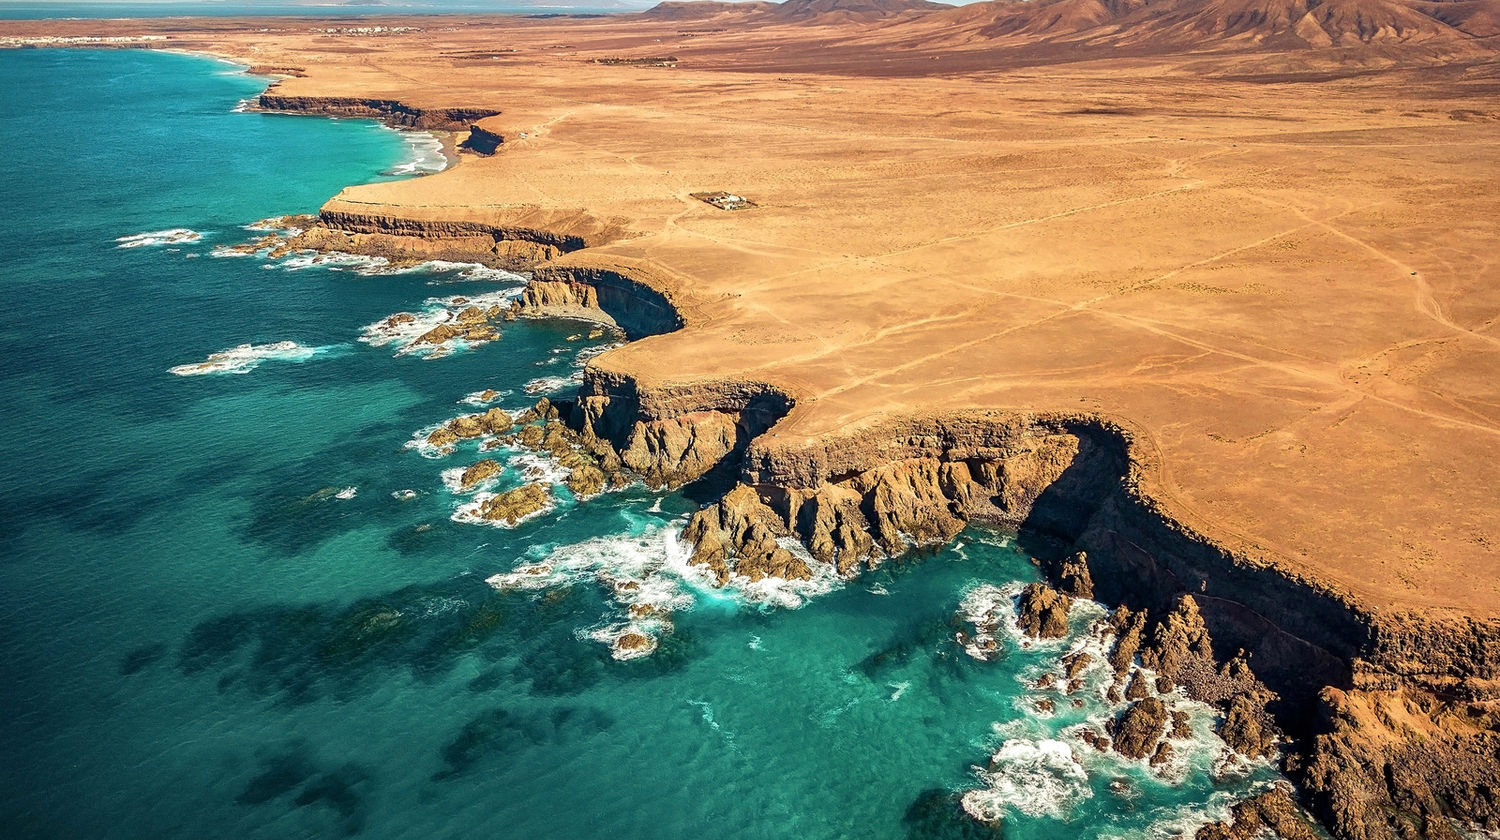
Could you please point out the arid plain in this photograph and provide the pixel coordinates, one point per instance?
(1290, 286)
(1276, 265)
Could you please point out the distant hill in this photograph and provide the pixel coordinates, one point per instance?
(854, 9)
(1178, 25)
(1435, 28)
(793, 10)
(703, 9)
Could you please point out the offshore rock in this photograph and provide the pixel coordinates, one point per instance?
(514, 505)
(441, 437)
(1094, 739)
(1043, 612)
(496, 421)
(585, 481)
(1162, 755)
(1137, 731)
(1129, 626)
(479, 472)
(492, 422)
(1073, 667)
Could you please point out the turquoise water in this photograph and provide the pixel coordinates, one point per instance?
(200, 638)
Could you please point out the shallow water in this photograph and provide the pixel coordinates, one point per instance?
(222, 615)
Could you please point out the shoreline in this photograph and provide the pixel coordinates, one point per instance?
(1133, 527)
(1355, 667)
(570, 288)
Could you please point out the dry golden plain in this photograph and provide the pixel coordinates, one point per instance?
(1286, 285)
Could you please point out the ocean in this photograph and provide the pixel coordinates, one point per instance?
(243, 603)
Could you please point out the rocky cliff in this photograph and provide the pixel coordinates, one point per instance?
(1392, 721)
(609, 294)
(516, 238)
(388, 111)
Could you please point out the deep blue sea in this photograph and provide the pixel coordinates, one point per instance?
(237, 605)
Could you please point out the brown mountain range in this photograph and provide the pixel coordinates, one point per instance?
(1142, 26)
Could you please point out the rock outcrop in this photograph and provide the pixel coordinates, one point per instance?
(389, 111)
(740, 535)
(482, 140)
(1179, 650)
(1272, 812)
(1137, 731)
(1073, 577)
(512, 506)
(1405, 763)
(1043, 612)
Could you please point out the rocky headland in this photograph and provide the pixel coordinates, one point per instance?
(1387, 721)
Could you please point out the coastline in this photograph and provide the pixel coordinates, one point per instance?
(1139, 534)
(1268, 623)
(1146, 565)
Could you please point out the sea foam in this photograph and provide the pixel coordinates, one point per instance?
(247, 357)
(403, 329)
(1037, 778)
(174, 236)
(424, 154)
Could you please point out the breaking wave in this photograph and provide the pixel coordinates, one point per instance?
(174, 236)
(247, 357)
(424, 155)
(406, 330)
(1033, 777)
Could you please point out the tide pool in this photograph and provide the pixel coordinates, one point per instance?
(238, 604)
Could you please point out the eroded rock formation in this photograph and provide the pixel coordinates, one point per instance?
(1408, 744)
(514, 505)
(1043, 612)
(610, 295)
(1138, 730)
(389, 111)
